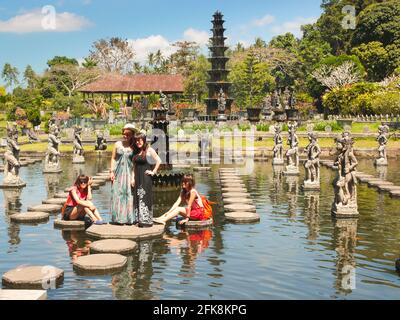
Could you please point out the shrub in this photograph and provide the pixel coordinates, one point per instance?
(320, 126)
(263, 127)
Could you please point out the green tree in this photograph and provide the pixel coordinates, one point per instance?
(62, 60)
(10, 75)
(195, 82)
(187, 52)
(287, 41)
(30, 77)
(33, 115)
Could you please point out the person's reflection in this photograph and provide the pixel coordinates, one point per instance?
(293, 188)
(345, 234)
(311, 213)
(52, 183)
(76, 243)
(12, 205)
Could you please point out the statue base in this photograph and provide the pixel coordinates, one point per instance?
(291, 171)
(349, 210)
(278, 162)
(381, 162)
(48, 168)
(78, 159)
(100, 148)
(221, 117)
(311, 185)
(12, 181)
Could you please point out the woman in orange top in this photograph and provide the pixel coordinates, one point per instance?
(194, 209)
(79, 202)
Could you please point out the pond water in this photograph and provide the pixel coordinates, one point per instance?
(297, 251)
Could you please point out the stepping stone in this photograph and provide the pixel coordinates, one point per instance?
(55, 201)
(95, 186)
(33, 277)
(389, 188)
(395, 193)
(202, 169)
(235, 195)
(365, 179)
(50, 208)
(232, 184)
(240, 207)
(103, 174)
(121, 246)
(234, 189)
(61, 195)
(110, 231)
(233, 181)
(242, 216)
(102, 263)
(99, 182)
(192, 224)
(30, 217)
(69, 225)
(380, 183)
(11, 294)
(237, 200)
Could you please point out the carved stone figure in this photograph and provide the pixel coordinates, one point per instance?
(345, 184)
(52, 159)
(78, 147)
(383, 132)
(221, 101)
(164, 101)
(101, 142)
(11, 160)
(292, 155)
(278, 146)
(312, 166)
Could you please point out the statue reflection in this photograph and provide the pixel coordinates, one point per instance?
(311, 213)
(382, 172)
(277, 182)
(345, 235)
(76, 243)
(77, 169)
(52, 183)
(12, 205)
(292, 193)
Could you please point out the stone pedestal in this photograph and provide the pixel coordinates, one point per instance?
(12, 181)
(278, 162)
(381, 162)
(52, 168)
(345, 211)
(78, 159)
(311, 185)
(291, 171)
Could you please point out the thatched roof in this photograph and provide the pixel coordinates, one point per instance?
(135, 84)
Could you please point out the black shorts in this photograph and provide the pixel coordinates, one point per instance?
(67, 213)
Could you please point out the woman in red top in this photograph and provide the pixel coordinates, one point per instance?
(79, 202)
(194, 209)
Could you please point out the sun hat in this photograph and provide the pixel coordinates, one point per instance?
(129, 126)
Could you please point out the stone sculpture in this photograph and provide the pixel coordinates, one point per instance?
(101, 142)
(78, 147)
(52, 159)
(312, 166)
(292, 155)
(383, 132)
(278, 146)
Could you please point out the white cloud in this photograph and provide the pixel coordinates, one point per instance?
(292, 26)
(266, 20)
(201, 37)
(144, 46)
(38, 20)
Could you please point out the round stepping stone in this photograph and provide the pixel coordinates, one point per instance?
(242, 216)
(389, 188)
(30, 217)
(61, 195)
(100, 263)
(237, 200)
(33, 277)
(193, 224)
(234, 189)
(395, 193)
(99, 182)
(110, 231)
(235, 195)
(380, 183)
(202, 169)
(121, 246)
(365, 178)
(69, 225)
(55, 201)
(240, 207)
(232, 184)
(50, 208)
(103, 174)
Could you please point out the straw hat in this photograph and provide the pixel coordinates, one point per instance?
(130, 126)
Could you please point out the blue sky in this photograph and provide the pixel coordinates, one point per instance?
(148, 24)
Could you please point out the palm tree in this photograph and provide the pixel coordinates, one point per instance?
(150, 59)
(158, 58)
(137, 68)
(10, 75)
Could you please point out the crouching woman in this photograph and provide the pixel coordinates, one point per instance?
(189, 195)
(79, 202)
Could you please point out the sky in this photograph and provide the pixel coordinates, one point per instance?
(34, 31)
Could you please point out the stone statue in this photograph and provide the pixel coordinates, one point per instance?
(345, 185)
(101, 142)
(382, 139)
(52, 159)
(286, 98)
(278, 146)
(221, 101)
(164, 101)
(292, 100)
(78, 147)
(32, 137)
(312, 165)
(292, 155)
(11, 159)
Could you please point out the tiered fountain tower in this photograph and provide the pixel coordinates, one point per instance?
(218, 73)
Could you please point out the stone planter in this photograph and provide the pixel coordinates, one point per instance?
(292, 114)
(253, 114)
(188, 114)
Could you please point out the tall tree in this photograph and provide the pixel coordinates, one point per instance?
(181, 60)
(30, 77)
(10, 75)
(195, 82)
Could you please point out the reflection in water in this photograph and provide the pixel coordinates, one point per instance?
(76, 243)
(311, 213)
(78, 169)
(12, 205)
(52, 181)
(345, 235)
(292, 193)
(277, 183)
(382, 172)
